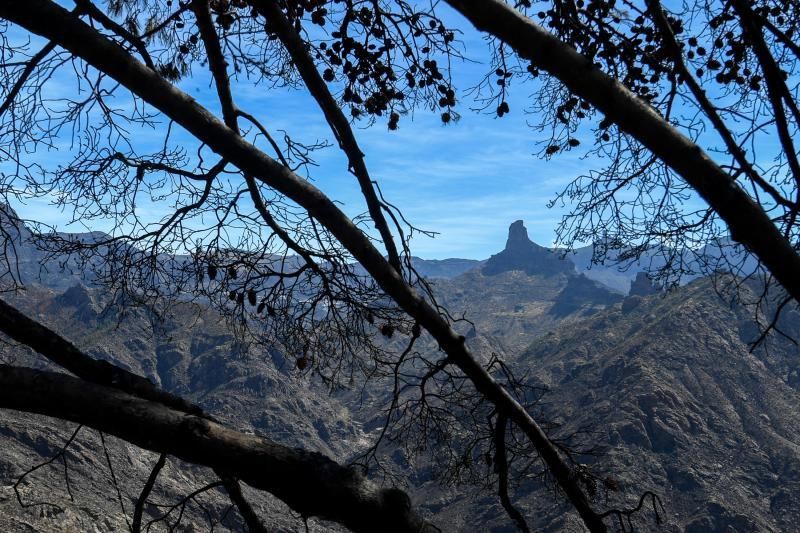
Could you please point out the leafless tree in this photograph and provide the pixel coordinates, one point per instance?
(246, 231)
(680, 103)
(267, 247)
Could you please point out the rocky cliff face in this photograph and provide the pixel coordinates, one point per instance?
(192, 354)
(642, 286)
(522, 292)
(682, 409)
(524, 255)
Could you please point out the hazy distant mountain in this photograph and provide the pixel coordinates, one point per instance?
(519, 254)
(444, 268)
(722, 255)
(30, 263)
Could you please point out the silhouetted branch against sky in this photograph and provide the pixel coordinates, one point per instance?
(186, 128)
(265, 177)
(471, 153)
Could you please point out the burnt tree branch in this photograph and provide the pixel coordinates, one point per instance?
(138, 510)
(63, 353)
(337, 121)
(309, 483)
(748, 223)
(49, 20)
(501, 468)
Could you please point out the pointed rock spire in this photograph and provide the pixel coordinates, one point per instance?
(523, 254)
(518, 236)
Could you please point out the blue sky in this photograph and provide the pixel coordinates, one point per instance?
(467, 181)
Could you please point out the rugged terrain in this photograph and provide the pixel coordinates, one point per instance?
(665, 383)
(682, 408)
(192, 354)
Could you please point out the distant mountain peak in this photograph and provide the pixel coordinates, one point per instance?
(518, 236)
(523, 254)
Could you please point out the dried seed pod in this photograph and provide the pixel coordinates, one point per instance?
(251, 297)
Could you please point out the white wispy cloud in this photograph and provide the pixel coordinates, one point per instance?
(467, 180)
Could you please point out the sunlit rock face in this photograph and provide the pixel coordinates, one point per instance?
(523, 254)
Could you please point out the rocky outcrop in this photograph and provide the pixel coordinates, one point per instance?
(82, 303)
(642, 285)
(583, 294)
(523, 254)
(682, 407)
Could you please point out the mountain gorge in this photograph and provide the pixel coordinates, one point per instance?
(663, 384)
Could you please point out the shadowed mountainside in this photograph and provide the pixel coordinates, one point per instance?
(664, 382)
(685, 410)
(191, 353)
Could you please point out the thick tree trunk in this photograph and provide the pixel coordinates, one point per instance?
(105, 376)
(309, 483)
(45, 18)
(63, 353)
(747, 221)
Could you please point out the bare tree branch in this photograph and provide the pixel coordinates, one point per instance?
(339, 124)
(254, 524)
(30, 66)
(501, 467)
(93, 11)
(66, 355)
(216, 62)
(309, 483)
(138, 510)
(747, 221)
(736, 151)
(51, 21)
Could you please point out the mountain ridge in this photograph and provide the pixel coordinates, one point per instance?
(665, 379)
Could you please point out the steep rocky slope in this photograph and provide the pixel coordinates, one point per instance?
(664, 382)
(193, 354)
(522, 292)
(682, 407)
